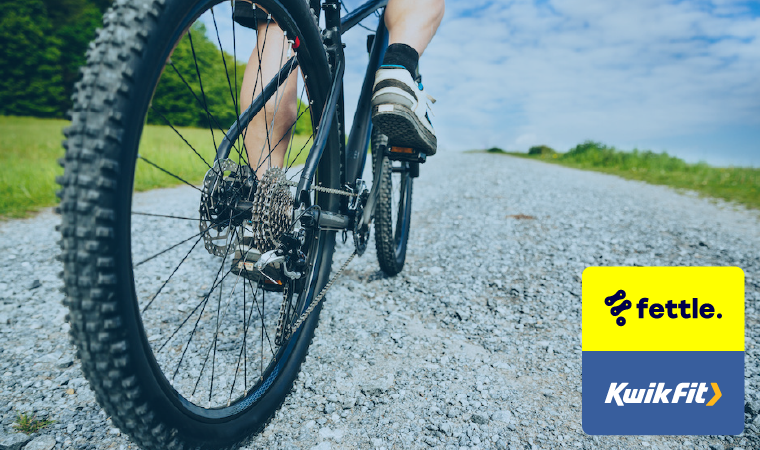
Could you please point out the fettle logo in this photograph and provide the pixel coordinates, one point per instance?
(616, 310)
(658, 394)
(674, 310)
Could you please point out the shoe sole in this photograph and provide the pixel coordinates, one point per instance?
(403, 129)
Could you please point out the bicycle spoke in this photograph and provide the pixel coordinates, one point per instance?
(171, 275)
(168, 173)
(294, 127)
(226, 70)
(198, 100)
(288, 132)
(240, 354)
(268, 141)
(195, 219)
(205, 300)
(180, 135)
(236, 98)
(299, 154)
(200, 84)
(166, 250)
(259, 74)
(261, 314)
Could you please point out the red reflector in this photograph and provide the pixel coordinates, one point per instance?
(402, 150)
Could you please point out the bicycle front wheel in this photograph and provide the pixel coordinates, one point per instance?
(181, 348)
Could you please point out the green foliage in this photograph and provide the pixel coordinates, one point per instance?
(42, 46)
(27, 423)
(495, 150)
(737, 184)
(30, 72)
(177, 103)
(541, 150)
(74, 24)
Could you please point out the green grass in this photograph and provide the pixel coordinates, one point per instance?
(27, 423)
(30, 147)
(737, 184)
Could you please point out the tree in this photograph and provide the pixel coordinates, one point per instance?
(30, 72)
(175, 101)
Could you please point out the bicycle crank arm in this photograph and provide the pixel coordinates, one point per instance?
(369, 208)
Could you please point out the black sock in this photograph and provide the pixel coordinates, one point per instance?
(402, 55)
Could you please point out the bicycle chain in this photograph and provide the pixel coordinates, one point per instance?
(274, 181)
(288, 331)
(323, 189)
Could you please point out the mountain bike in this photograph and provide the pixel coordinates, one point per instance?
(182, 347)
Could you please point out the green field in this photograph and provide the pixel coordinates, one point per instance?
(736, 184)
(30, 147)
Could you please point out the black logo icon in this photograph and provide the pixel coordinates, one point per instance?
(616, 310)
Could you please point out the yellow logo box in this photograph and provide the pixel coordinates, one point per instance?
(663, 309)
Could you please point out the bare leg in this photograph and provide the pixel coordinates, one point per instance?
(413, 22)
(274, 121)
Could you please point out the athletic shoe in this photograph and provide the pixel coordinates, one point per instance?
(401, 110)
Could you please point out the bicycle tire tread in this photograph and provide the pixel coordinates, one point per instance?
(88, 224)
(385, 244)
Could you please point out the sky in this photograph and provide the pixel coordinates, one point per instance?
(675, 76)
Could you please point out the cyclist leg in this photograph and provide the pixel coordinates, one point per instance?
(413, 22)
(274, 122)
(401, 109)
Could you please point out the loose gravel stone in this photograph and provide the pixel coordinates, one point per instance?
(476, 344)
(13, 441)
(41, 443)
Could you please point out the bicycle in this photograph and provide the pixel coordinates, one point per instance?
(211, 372)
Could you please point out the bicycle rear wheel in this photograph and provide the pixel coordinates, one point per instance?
(393, 213)
(180, 350)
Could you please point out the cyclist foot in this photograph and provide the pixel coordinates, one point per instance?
(401, 110)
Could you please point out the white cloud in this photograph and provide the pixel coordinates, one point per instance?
(679, 76)
(568, 70)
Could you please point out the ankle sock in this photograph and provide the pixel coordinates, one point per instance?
(402, 55)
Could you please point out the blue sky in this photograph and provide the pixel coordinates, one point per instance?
(681, 76)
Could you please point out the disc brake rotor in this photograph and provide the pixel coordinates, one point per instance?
(219, 195)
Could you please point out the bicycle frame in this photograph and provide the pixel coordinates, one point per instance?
(355, 152)
(331, 129)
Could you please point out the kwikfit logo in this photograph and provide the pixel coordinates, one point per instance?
(688, 392)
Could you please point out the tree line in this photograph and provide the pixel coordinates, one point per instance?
(43, 45)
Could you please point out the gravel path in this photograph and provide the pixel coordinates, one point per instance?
(475, 345)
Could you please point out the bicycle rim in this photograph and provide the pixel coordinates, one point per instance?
(184, 327)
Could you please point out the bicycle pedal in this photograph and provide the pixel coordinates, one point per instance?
(405, 154)
(268, 278)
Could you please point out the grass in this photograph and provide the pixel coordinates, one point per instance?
(30, 147)
(27, 423)
(736, 184)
